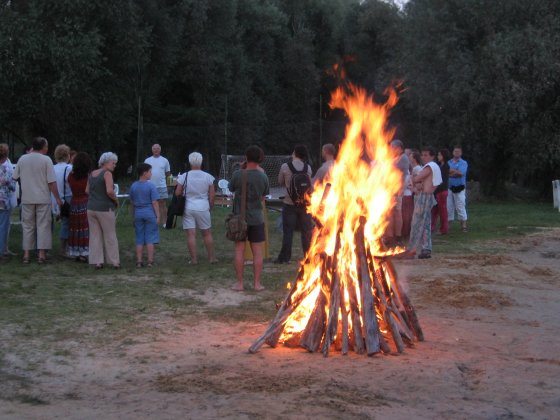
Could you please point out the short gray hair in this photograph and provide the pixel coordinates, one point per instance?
(107, 157)
(195, 159)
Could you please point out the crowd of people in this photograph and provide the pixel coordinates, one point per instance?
(85, 200)
(433, 191)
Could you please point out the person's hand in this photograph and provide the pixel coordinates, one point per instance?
(59, 202)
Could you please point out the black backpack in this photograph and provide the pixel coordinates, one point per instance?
(300, 185)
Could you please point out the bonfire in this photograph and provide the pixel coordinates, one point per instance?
(347, 294)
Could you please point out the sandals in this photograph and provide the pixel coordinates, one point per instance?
(41, 260)
(98, 266)
(139, 264)
(150, 264)
(25, 260)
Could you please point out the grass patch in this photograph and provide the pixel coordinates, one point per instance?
(492, 222)
(68, 300)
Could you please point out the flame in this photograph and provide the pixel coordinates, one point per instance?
(360, 189)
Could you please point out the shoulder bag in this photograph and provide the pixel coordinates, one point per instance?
(236, 225)
(177, 207)
(65, 208)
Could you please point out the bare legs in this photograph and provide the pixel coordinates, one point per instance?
(162, 211)
(257, 248)
(208, 244)
(140, 251)
(191, 244)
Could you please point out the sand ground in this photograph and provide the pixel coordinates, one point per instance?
(492, 351)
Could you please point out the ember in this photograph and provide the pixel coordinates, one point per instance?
(346, 293)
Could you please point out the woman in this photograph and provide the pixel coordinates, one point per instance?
(78, 237)
(198, 187)
(440, 209)
(7, 192)
(62, 170)
(102, 202)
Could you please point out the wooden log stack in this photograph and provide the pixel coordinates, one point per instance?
(369, 314)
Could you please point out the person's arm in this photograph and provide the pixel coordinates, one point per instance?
(54, 192)
(454, 173)
(108, 176)
(422, 175)
(155, 205)
(281, 176)
(179, 187)
(167, 168)
(211, 195)
(266, 186)
(460, 171)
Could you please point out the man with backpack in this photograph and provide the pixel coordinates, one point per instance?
(296, 177)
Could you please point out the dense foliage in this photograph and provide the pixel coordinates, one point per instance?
(215, 76)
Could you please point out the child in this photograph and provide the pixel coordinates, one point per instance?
(145, 209)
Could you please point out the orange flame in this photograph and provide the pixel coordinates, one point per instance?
(363, 183)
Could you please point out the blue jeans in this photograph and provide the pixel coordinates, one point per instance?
(4, 230)
(293, 216)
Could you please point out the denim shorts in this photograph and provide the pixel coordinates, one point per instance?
(146, 230)
(162, 191)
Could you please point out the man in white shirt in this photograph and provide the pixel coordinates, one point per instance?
(327, 152)
(425, 183)
(160, 171)
(38, 181)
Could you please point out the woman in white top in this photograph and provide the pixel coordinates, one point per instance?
(198, 188)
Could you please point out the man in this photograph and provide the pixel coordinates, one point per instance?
(294, 213)
(456, 197)
(160, 171)
(257, 187)
(402, 164)
(327, 152)
(425, 183)
(38, 181)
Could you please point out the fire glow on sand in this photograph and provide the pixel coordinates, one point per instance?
(347, 294)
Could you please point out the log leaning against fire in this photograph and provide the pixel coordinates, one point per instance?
(383, 313)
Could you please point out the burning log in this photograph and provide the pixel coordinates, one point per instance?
(368, 307)
(344, 320)
(313, 333)
(408, 308)
(332, 324)
(347, 294)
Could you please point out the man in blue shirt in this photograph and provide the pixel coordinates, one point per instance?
(456, 198)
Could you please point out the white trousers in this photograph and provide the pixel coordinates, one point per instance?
(36, 222)
(456, 202)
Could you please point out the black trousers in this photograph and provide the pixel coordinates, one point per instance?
(293, 216)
